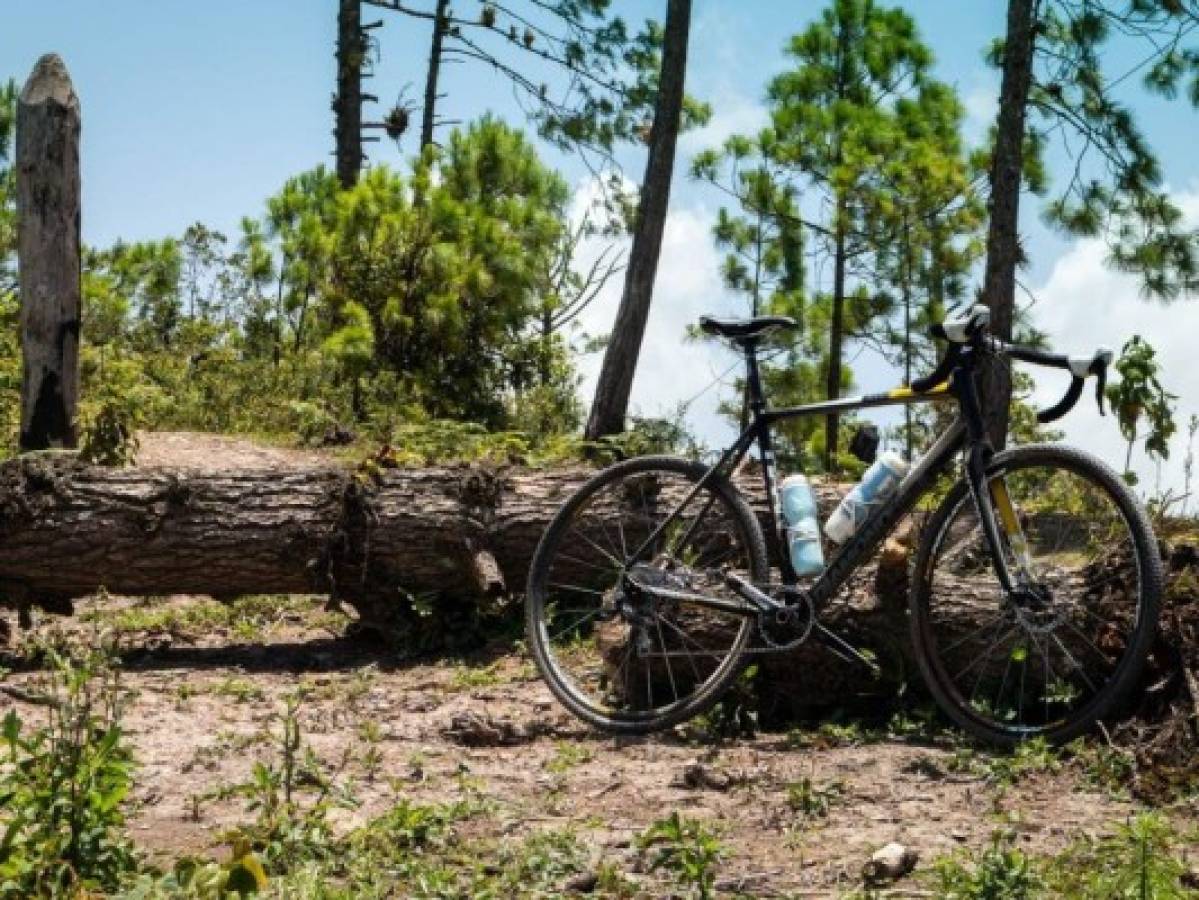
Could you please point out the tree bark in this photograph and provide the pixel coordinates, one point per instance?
(48, 251)
(348, 104)
(615, 384)
(1003, 235)
(68, 529)
(836, 340)
(429, 113)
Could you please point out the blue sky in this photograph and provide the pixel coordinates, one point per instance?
(199, 111)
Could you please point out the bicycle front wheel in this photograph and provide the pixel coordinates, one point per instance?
(1063, 649)
(612, 618)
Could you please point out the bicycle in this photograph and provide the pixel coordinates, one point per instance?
(1034, 592)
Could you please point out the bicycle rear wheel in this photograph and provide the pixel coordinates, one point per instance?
(621, 657)
(1064, 649)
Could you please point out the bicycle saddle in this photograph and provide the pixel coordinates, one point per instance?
(744, 329)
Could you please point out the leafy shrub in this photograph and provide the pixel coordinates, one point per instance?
(1002, 872)
(62, 784)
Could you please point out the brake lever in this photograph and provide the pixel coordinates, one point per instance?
(1101, 388)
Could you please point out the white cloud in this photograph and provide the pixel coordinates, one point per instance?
(981, 101)
(671, 369)
(732, 113)
(1083, 305)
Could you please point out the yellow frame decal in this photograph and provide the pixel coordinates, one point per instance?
(906, 393)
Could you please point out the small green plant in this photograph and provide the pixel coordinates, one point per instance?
(685, 847)
(567, 756)
(467, 677)
(239, 690)
(1001, 872)
(1140, 860)
(1028, 758)
(1106, 766)
(287, 831)
(62, 783)
(811, 800)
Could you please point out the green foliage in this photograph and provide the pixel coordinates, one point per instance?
(1141, 860)
(810, 800)
(62, 784)
(1001, 872)
(1116, 188)
(685, 847)
(1139, 398)
(290, 830)
(415, 296)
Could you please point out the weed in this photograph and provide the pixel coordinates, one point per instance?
(468, 677)
(567, 756)
(1002, 872)
(685, 847)
(287, 831)
(1140, 860)
(239, 690)
(833, 734)
(1107, 767)
(62, 784)
(813, 801)
(1027, 758)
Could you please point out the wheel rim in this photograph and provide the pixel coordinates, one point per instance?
(613, 649)
(1046, 657)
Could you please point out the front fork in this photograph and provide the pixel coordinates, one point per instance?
(996, 512)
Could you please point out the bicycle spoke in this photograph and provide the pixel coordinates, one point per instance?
(591, 615)
(596, 662)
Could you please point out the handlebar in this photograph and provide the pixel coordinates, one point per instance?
(971, 330)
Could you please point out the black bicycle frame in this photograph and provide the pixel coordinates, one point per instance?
(966, 431)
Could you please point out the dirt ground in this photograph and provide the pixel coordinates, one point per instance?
(799, 814)
(203, 707)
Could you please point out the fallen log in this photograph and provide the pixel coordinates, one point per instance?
(420, 553)
(68, 530)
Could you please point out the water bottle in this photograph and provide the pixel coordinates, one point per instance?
(880, 480)
(803, 530)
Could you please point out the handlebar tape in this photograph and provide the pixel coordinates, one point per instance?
(1065, 404)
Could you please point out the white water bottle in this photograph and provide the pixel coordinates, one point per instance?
(803, 529)
(880, 480)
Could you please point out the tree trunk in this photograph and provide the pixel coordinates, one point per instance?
(1003, 235)
(429, 113)
(620, 361)
(348, 104)
(836, 339)
(48, 250)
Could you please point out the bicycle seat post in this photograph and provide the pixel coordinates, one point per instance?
(753, 377)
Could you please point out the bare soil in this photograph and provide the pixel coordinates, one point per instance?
(189, 451)
(204, 708)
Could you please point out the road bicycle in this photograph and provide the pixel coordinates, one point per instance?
(1034, 591)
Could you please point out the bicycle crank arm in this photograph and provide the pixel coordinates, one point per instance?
(841, 648)
(764, 602)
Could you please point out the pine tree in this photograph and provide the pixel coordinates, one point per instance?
(928, 215)
(615, 383)
(833, 114)
(1055, 85)
(763, 240)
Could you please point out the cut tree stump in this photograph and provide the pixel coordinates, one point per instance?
(48, 250)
